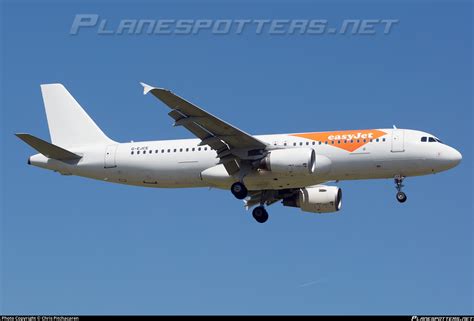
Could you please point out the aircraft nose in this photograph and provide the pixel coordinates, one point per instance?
(453, 156)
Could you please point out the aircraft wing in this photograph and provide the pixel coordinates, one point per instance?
(269, 196)
(231, 144)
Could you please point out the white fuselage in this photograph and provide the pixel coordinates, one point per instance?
(183, 163)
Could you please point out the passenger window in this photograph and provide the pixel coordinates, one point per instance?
(199, 149)
(294, 144)
(326, 142)
(338, 141)
(307, 143)
(432, 140)
(377, 140)
(319, 143)
(138, 152)
(284, 144)
(162, 151)
(174, 150)
(156, 151)
(301, 143)
(314, 143)
(132, 152)
(358, 141)
(180, 149)
(193, 149)
(383, 139)
(205, 148)
(423, 139)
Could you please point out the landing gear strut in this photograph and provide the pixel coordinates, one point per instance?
(239, 190)
(260, 214)
(401, 197)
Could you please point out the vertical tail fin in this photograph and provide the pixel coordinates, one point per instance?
(69, 125)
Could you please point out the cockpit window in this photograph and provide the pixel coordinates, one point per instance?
(438, 140)
(423, 139)
(432, 140)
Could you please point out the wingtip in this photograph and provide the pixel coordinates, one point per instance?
(20, 135)
(146, 88)
(23, 136)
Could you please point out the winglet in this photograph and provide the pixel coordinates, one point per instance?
(146, 88)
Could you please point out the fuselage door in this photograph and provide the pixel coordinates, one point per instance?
(109, 160)
(398, 140)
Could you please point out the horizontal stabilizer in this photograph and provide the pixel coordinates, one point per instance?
(47, 149)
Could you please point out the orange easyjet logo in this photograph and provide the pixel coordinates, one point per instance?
(349, 140)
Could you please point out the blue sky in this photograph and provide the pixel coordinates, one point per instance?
(75, 246)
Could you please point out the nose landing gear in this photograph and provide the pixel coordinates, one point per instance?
(401, 197)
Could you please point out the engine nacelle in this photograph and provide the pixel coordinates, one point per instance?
(317, 199)
(290, 161)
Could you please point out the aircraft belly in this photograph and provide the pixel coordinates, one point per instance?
(282, 182)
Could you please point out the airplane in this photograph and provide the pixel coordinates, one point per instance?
(258, 169)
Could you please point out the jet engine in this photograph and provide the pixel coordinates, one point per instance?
(290, 161)
(316, 199)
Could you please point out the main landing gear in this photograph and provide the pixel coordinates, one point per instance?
(401, 197)
(239, 190)
(260, 214)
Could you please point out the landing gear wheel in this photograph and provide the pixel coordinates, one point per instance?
(260, 214)
(401, 197)
(239, 190)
